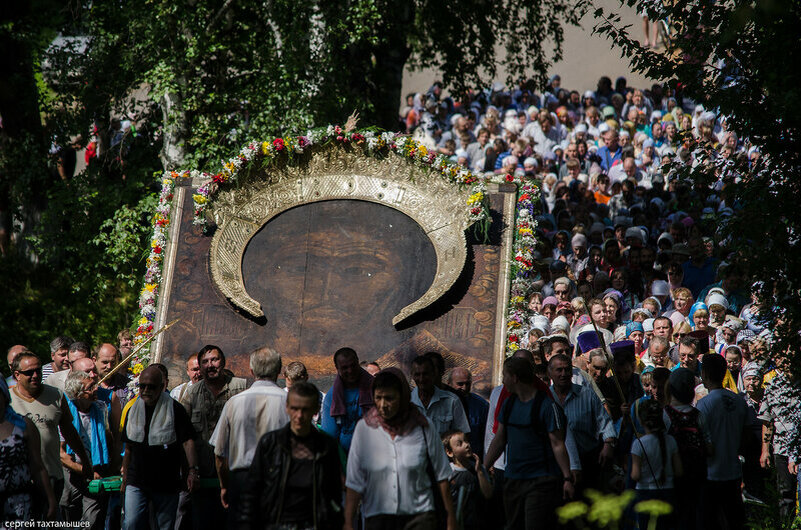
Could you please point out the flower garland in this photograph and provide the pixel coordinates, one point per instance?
(150, 290)
(523, 270)
(373, 142)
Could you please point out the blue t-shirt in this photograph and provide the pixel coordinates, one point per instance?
(528, 451)
(341, 428)
(696, 278)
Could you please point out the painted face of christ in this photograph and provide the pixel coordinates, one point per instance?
(331, 273)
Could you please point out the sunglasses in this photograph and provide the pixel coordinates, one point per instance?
(29, 373)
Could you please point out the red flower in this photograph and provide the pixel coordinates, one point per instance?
(512, 338)
(476, 210)
(157, 250)
(218, 178)
(356, 137)
(524, 197)
(509, 177)
(278, 143)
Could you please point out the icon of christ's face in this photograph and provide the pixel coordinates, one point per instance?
(337, 268)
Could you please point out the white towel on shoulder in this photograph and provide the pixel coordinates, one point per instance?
(162, 423)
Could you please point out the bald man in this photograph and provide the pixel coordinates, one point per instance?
(476, 406)
(107, 357)
(10, 356)
(151, 468)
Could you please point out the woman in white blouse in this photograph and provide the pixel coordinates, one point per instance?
(388, 460)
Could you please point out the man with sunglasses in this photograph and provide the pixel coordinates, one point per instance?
(46, 407)
(157, 431)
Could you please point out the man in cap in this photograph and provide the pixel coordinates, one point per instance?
(623, 361)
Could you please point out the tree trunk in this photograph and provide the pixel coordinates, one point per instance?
(23, 150)
(176, 128)
(390, 59)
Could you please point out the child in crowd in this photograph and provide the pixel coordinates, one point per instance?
(470, 483)
(654, 462)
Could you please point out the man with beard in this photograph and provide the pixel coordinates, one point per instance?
(204, 403)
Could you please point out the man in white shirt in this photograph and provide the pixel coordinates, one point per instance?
(726, 416)
(442, 408)
(193, 371)
(245, 418)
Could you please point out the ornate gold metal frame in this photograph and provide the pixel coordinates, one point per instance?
(336, 172)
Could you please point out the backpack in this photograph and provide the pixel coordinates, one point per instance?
(535, 424)
(686, 429)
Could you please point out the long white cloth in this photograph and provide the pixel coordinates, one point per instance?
(162, 423)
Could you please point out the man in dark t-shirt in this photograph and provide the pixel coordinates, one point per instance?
(155, 432)
(532, 431)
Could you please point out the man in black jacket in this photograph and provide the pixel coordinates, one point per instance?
(295, 479)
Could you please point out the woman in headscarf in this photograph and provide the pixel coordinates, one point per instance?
(20, 462)
(393, 448)
(699, 316)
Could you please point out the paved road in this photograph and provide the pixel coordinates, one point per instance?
(587, 57)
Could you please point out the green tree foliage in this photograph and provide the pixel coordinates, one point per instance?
(198, 78)
(735, 58)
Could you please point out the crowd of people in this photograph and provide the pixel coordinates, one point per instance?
(645, 365)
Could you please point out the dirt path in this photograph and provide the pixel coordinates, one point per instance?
(586, 56)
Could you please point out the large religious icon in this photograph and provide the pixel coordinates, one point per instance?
(342, 252)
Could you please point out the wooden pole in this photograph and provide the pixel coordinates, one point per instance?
(136, 350)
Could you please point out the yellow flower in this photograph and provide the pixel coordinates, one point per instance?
(265, 147)
(475, 198)
(137, 368)
(229, 166)
(199, 199)
(151, 287)
(143, 321)
(422, 150)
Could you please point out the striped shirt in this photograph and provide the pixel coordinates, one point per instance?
(586, 416)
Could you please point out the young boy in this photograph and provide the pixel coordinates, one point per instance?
(470, 484)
